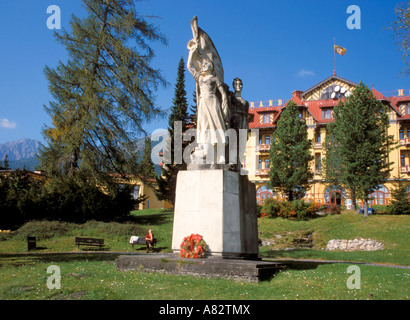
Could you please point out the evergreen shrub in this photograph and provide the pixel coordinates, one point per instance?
(292, 210)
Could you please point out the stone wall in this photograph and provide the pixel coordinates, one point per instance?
(353, 245)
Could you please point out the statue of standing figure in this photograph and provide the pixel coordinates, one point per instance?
(240, 107)
(213, 114)
(239, 121)
(218, 109)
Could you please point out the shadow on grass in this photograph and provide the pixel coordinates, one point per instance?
(151, 219)
(38, 248)
(94, 249)
(19, 260)
(143, 249)
(297, 253)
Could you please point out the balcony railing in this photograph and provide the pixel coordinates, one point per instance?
(318, 171)
(263, 147)
(262, 172)
(405, 142)
(404, 169)
(317, 145)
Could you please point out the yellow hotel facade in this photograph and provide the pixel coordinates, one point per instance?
(316, 105)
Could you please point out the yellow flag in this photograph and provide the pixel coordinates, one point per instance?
(340, 50)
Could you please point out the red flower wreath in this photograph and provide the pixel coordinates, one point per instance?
(193, 246)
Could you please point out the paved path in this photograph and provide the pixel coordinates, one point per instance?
(339, 261)
(294, 261)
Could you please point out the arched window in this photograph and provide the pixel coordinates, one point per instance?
(380, 195)
(263, 193)
(335, 195)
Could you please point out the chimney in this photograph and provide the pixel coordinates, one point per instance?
(297, 93)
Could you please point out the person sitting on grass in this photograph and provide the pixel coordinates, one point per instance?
(149, 239)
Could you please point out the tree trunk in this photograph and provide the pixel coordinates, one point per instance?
(353, 198)
(290, 195)
(365, 213)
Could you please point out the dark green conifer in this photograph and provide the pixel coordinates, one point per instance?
(147, 169)
(290, 154)
(166, 183)
(359, 143)
(400, 202)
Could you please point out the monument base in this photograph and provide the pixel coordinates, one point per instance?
(240, 270)
(220, 205)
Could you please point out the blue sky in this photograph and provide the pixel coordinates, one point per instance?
(275, 47)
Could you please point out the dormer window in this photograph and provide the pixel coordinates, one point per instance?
(405, 108)
(327, 113)
(266, 118)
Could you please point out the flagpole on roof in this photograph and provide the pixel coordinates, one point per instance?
(334, 56)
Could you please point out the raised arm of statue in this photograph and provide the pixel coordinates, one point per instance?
(193, 49)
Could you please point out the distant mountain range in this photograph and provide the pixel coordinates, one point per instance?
(20, 149)
(23, 153)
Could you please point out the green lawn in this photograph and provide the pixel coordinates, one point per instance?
(392, 231)
(92, 280)
(59, 237)
(24, 278)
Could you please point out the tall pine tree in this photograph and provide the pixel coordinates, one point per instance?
(179, 112)
(194, 110)
(358, 144)
(290, 155)
(147, 170)
(103, 95)
(400, 202)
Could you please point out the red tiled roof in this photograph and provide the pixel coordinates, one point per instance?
(255, 112)
(394, 101)
(378, 95)
(314, 107)
(297, 100)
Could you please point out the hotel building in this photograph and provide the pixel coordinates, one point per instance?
(316, 105)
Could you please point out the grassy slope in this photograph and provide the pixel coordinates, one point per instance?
(91, 280)
(392, 231)
(116, 235)
(101, 280)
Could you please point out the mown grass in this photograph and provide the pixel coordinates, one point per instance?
(92, 280)
(392, 231)
(54, 236)
(24, 278)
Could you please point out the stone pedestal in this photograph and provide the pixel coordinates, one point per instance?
(220, 205)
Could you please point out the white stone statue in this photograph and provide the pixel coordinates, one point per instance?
(205, 66)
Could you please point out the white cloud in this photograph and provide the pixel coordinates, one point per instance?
(304, 73)
(7, 124)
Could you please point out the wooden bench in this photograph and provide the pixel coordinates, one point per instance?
(89, 242)
(141, 242)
